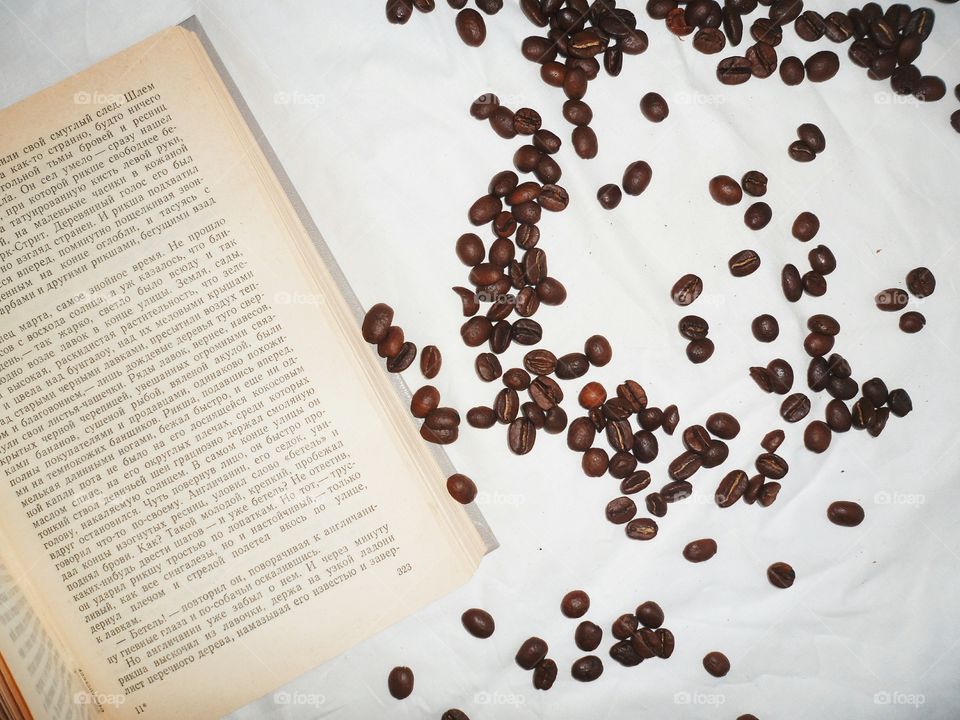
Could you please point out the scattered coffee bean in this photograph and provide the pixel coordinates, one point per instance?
(845, 513)
(471, 28)
(772, 440)
(899, 402)
(461, 488)
(454, 714)
(636, 177)
(716, 663)
(765, 328)
(912, 322)
(400, 682)
(686, 289)
(812, 136)
(772, 466)
(757, 216)
(588, 636)
(544, 674)
(792, 71)
(744, 263)
(654, 107)
(693, 327)
(921, 282)
(621, 510)
(725, 190)
(731, 488)
(781, 575)
(609, 196)
(478, 623)
(798, 150)
(587, 668)
(521, 436)
(817, 436)
(754, 183)
(723, 425)
(650, 614)
(575, 604)
(641, 529)
(531, 652)
(377, 323)
(768, 493)
(795, 407)
(734, 70)
(700, 550)
(699, 351)
(822, 66)
(822, 260)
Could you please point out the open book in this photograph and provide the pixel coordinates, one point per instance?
(209, 483)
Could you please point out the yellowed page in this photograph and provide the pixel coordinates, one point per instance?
(206, 482)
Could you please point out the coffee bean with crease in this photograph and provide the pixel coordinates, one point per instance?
(693, 327)
(766, 31)
(734, 70)
(635, 482)
(700, 550)
(863, 414)
(616, 408)
(620, 435)
(772, 466)
(621, 510)
(488, 367)
(540, 362)
(709, 41)
(744, 263)
(676, 491)
(921, 282)
(696, 439)
(534, 414)
(781, 575)
(642, 529)
(800, 151)
(634, 395)
(772, 440)
(716, 663)
(761, 376)
(809, 26)
(624, 626)
(684, 465)
(763, 59)
(795, 407)
(521, 436)
(656, 504)
(686, 289)
(731, 488)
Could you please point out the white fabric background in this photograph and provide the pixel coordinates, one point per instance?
(371, 123)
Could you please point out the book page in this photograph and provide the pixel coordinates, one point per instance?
(206, 480)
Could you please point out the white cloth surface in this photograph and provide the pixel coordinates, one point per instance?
(371, 123)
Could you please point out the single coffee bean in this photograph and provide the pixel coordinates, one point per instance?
(845, 513)
(521, 436)
(744, 263)
(838, 416)
(891, 300)
(624, 654)
(921, 282)
(732, 24)
(635, 482)
(581, 434)
(377, 323)
(757, 216)
(684, 465)
(399, 12)
(699, 351)
(798, 150)
(403, 359)
(588, 636)
(709, 41)
(636, 177)
(624, 626)
(526, 332)
(723, 425)
(424, 400)
(822, 260)
(772, 440)
(838, 27)
(863, 414)
(716, 454)
(768, 494)
(665, 643)
(592, 395)
(716, 663)
(587, 668)
(766, 31)
(544, 674)
(634, 395)
(540, 362)
(817, 344)
(645, 446)
(650, 615)
(876, 391)
(754, 488)
(725, 190)
(470, 249)
(642, 529)
(817, 436)
(531, 652)
(478, 623)
(731, 488)
(621, 510)
(931, 88)
(765, 328)
(781, 376)
(572, 365)
(577, 112)
(696, 439)
(812, 137)
(762, 58)
(454, 714)
(609, 196)
(772, 466)
(471, 28)
(481, 417)
(400, 682)
(430, 361)
(488, 367)
(526, 121)
(754, 183)
(781, 575)
(700, 550)
(734, 70)
(485, 209)
(553, 198)
(879, 422)
(654, 107)
(516, 379)
(584, 141)
(795, 407)
(761, 376)
(686, 289)
(484, 106)
(912, 322)
(546, 141)
(822, 66)
(676, 491)
(575, 604)
(792, 71)
(899, 402)
(806, 226)
(693, 327)
(392, 343)
(810, 26)
(676, 22)
(656, 504)
(821, 323)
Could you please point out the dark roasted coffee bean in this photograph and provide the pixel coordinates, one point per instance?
(744, 263)
(488, 367)
(766, 31)
(757, 216)
(470, 249)
(517, 379)
(899, 402)
(624, 626)
(609, 196)
(650, 615)
(555, 420)
(656, 504)
(709, 41)
(715, 454)
(686, 289)
(863, 414)
(795, 408)
(806, 226)
(734, 70)
(725, 190)
(481, 417)
(684, 465)
(810, 26)
(812, 137)
(636, 177)
(696, 439)
(490, 7)
(822, 66)
(553, 73)
(838, 416)
(635, 482)
(581, 434)
(762, 58)
(645, 446)
(817, 436)
(658, 9)
(484, 106)
(838, 27)
(641, 529)
(577, 112)
(700, 550)
(532, 412)
(503, 183)
(548, 171)
(879, 422)
(485, 209)
(526, 121)
(546, 141)
(875, 390)
(765, 328)
(624, 654)
(716, 663)
(400, 682)
(772, 466)
(824, 324)
(454, 714)
(545, 392)
(798, 150)
(572, 365)
(525, 160)
(731, 488)
(732, 25)
(399, 12)
(587, 668)
(818, 344)
(595, 462)
(781, 575)
(769, 493)
(772, 440)
(699, 351)
(621, 510)
(693, 327)
(575, 604)
(781, 376)
(471, 28)
(501, 121)
(540, 362)
(478, 623)
(761, 376)
(584, 141)
(783, 12)
(620, 435)
(392, 343)
(905, 80)
(676, 491)
(844, 388)
(424, 400)
(531, 652)
(526, 332)
(723, 425)
(553, 198)
(506, 405)
(377, 323)
(754, 183)
(920, 22)
(822, 260)
(403, 359)
(671, 419)
(912, 322)
(845, 513)
(792, 71)
(921, 282)
(754, 488)
(654, 107)
(891, 300)
(588, 636)
(544, 674)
